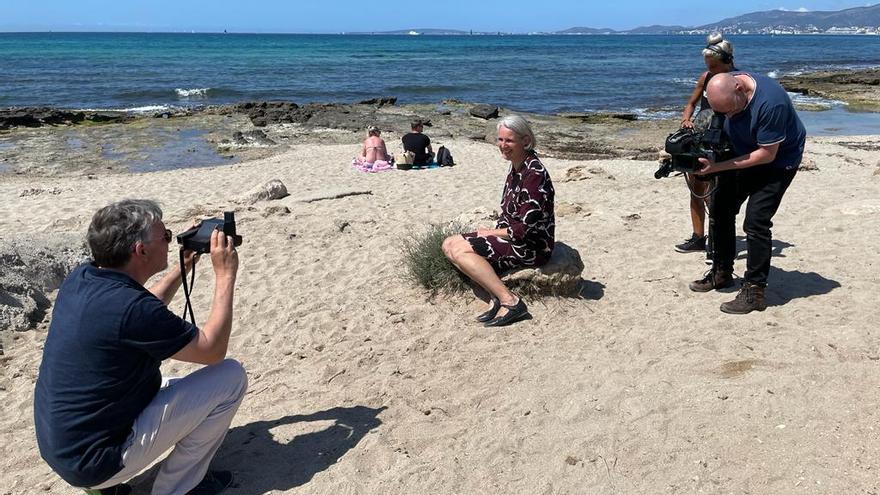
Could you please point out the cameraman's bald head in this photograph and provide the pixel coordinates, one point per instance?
(726, 93)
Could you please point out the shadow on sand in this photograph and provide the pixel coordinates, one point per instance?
(785, 286)
(776, 248)
(262, 464)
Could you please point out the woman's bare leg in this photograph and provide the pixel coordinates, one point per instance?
(698, 205)
(459, 251)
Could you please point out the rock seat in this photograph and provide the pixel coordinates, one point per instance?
(561, 276)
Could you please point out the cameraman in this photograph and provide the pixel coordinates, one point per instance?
(102, 410)
(765, 131)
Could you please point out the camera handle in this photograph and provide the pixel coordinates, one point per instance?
(187, 288)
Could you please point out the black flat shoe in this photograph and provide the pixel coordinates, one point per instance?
(491, 312)
(514, 314)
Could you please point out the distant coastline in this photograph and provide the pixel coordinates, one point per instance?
(849, 22)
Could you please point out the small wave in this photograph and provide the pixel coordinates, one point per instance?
(655, 114)
(773, 74)
(685, 81)
(192, 93)
(141, 109)
(814, 101)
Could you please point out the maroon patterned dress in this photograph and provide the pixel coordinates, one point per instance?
(527, 214)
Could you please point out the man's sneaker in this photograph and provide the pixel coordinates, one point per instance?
(213, 483)
(750, 298)
(712, 280)
(696, 243)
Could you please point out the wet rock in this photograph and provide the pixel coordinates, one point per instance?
(264, 113)
(484, 111)
(274, 189)
(252, 138)
(30, 268)
(599, 117)
(40, 116)
(380, 102)
(859, 88)
(560, 276)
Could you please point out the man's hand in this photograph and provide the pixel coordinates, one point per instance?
(687, 124)
(224, 257)
(708, 167)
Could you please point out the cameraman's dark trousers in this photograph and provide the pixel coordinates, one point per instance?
(764, 186)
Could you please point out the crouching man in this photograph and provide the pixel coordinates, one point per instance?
(103, 411)
(766, 132)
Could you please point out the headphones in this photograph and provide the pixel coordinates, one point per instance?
(725, 57)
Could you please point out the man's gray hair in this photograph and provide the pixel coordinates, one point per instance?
(116, 228)
(520, 127)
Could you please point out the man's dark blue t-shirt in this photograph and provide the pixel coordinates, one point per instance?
(769, 118)
(100, 370)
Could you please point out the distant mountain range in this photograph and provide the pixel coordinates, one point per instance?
(857, 20)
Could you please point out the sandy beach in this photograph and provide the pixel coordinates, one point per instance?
(360, 383)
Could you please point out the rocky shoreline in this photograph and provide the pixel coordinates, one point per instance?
(45, 141)
(62, 142)
(859, 89)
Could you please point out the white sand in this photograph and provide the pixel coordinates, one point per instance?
(361, 384)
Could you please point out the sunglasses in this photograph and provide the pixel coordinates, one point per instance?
(167, 236)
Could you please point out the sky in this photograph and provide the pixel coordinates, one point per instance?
(334, 16)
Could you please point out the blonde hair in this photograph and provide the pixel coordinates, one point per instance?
(373, 130)
(717, 46)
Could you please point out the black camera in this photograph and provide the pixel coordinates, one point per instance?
(687, 146)
(198, 239)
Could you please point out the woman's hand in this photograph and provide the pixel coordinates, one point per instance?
(496, 232)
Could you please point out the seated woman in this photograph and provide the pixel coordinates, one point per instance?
(374, 156)
(524, 233)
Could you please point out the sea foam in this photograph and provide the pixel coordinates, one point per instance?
(192, 93)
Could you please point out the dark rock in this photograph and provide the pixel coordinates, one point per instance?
(484, 111)
(599, 117)
(105, 116)
(381, 102)
(252, 138)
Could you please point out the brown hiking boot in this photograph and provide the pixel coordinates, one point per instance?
(713, 280)
(750, 298)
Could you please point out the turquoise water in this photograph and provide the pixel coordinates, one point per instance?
(649, 75)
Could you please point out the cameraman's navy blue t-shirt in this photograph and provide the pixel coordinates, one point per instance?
(769, 118)
(100, 369)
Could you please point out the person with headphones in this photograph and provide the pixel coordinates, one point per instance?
(718, 56)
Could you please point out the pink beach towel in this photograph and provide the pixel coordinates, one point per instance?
(377, 166)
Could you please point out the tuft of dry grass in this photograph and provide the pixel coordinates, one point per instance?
(425, 263)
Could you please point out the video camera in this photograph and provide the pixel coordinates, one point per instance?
(687, 146)
(198, 239)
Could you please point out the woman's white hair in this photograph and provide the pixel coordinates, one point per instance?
(520, 127)
(716, 40)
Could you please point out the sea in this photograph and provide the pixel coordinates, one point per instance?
(649, 75)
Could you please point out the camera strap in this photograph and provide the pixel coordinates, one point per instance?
(187, 288)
